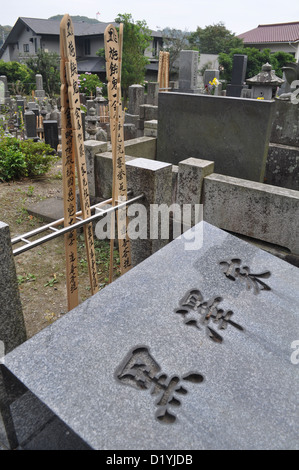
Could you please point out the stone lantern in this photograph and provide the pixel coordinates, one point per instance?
(91, 124)
(265, 83)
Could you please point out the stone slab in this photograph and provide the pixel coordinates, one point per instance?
(245, 393)
(12, 325)
(49, 209)
(232, 132)
(282, 167)
(272, 212)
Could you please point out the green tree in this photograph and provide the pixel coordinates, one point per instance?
(47, 64)
(214, 39)
(255, 60)
(17, 74)
(4, 32)
(174, 41)
(137, 37)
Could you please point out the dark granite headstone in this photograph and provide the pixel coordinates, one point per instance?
(195, 348)
(51, 133)
(233, 133)
(238, 75)
(30, 124)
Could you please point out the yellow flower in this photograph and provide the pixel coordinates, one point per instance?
(260, 98)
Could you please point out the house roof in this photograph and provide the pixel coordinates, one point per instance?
(52, 27)
(266, 33)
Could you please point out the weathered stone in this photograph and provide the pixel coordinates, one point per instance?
(188, 71)
(257, 210)
(92, 147)
(154, 180)
(12, 326)
(285, 126)
(283, 166)
(151, 128)
(152, 93)
(136, 98)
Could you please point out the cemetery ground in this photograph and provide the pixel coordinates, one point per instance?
(41, 270)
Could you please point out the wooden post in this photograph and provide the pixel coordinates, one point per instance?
(113, 54)
(74, 157)
(163, 72)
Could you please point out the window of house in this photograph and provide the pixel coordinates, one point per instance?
(87, 46)
(26, 47)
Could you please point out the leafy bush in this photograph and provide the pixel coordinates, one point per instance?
(24, 158)
(88, 82)
(17, 75)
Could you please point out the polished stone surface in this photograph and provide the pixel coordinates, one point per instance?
(116, 368)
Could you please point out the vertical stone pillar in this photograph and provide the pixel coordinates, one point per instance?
(5, 93)
(136, 98)
(154, 180)
(12, 329)
(152, 93)
(39, 92)
(12, 326)
(191, 173)
(30, 124)
(188, 72)
(92, 147)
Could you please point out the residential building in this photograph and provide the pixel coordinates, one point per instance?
(28, 35)
(280, 37)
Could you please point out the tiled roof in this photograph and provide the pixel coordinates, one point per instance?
(265, 33)
(81, 28)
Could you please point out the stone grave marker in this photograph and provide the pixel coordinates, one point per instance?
(2, 92)
(51, 133)
(238, 76)
(188, 72)
(39, 92)
(233, 133)
(30, 124)
(195, 348)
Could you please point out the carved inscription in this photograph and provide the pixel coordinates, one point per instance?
(202, 314)
(73, 142)
(140, 370)
(113, 52)
(233, 270)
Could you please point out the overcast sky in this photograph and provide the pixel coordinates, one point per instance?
(237, 16)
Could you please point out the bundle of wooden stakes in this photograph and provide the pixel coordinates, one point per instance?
(73, 158)
(163, 72)
(113, 53)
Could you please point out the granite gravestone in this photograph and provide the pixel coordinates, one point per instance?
(192, 349)
(5, 98)
(188, 72)
(39, 92)
(2, 92)
(30, 124)
(51, 133)
(232, 132)
(238, 75)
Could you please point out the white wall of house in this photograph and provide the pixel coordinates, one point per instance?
(292, 48)
(50, 44)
